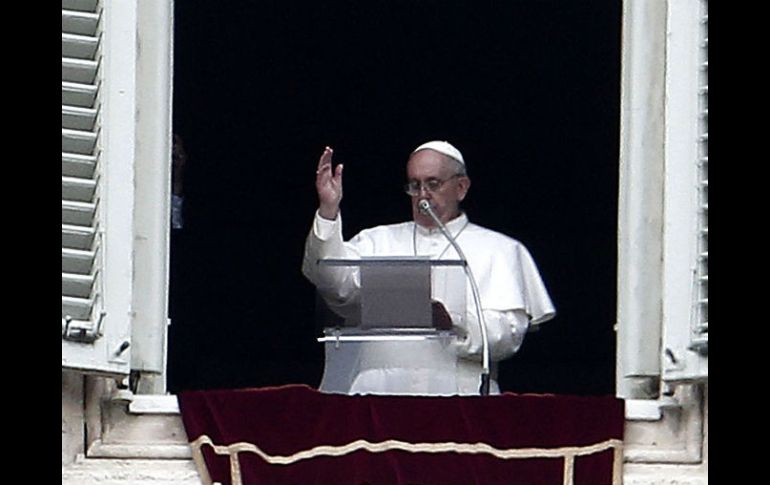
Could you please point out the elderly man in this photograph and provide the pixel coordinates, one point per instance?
(511, 292)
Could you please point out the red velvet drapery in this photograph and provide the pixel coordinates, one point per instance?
(297, 435)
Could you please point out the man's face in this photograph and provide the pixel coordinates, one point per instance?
(425, 166)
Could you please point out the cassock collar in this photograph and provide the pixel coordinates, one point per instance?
(454, 226)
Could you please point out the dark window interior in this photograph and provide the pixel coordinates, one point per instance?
(527, 90)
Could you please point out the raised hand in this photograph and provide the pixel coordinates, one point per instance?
(328, 184)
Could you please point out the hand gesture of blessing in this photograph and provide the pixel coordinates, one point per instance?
(328, 184)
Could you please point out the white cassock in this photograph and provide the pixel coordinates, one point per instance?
(511, 290)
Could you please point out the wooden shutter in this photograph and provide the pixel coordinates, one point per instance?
(700, 334)
(81, 244)
(98, 119)
(685, 277)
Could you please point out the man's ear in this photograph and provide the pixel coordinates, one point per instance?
(463, 184)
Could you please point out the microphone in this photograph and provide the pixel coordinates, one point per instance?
(425, 207)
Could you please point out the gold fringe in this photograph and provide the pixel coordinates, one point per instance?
(568, 453)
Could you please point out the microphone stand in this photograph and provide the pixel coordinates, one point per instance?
(426, 208)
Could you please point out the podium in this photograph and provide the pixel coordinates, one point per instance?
(397, 313)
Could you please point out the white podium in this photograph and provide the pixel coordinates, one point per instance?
(392, 331)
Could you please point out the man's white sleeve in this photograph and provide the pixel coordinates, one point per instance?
(505, 330)
(337, 284)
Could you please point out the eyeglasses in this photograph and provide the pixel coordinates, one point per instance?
(414, 187)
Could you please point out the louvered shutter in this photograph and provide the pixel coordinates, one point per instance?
(685, 278)
(80, 175)
(700, 334)
(92, 338)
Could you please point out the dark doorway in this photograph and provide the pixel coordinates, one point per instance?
(528, 90)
